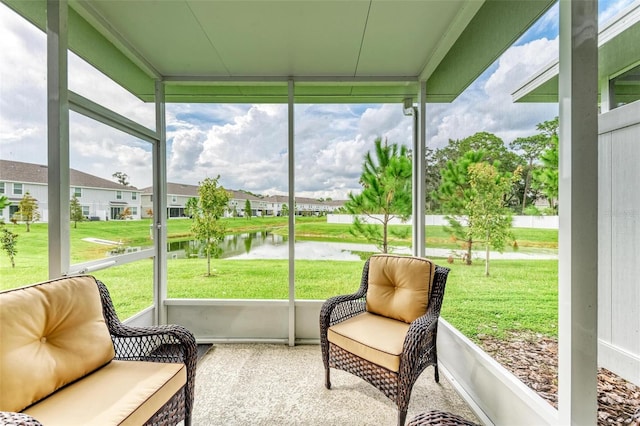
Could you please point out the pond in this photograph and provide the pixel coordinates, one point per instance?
(265, 245)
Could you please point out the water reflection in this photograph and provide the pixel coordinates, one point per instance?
(265, 245)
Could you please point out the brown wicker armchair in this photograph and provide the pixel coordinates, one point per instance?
(400, 298)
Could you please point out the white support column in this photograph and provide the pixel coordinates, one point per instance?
(160, 207)
(578, 198)
(58, 138)
(292, 218)
(419, 173)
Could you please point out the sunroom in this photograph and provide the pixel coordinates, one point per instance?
(410, 53)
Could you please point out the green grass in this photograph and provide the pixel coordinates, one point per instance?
(519, 295)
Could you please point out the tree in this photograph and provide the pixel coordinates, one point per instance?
(27, 210)
(8, 241)
(285, 210)
(191, 206)
(532, 147)
(4, 202)
(122, 178)
(432, 180)
(489, 219)
(76, 211)
(495, 152)
(545, 179)
(247, 209)
(455, 194)
(125, 214)
(386, 193)
(212, 202)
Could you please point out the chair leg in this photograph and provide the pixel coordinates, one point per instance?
(402, 417)
(327, 380)
(437, 374)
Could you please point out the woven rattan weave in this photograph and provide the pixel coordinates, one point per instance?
(419, 346)
(439, 418)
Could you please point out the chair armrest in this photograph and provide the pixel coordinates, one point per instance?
(419, 344)
(334, 310)
(162, 343)
(9, 418)
(339, 308)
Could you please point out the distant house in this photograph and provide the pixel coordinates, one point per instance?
(271, 205)
(177, 196)
(101, 199)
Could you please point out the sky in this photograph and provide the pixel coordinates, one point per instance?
(246, 145)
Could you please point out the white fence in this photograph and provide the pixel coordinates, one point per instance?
(540, 222)
(618, 242)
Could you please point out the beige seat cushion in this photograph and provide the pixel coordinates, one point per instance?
(372, 337)
(399, 286)
(120, 393)
(50, 334)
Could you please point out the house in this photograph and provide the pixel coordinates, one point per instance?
(176, 199)
(100, 199)
(271, 205)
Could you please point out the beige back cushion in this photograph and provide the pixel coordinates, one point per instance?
(399, 286)
(50, 335)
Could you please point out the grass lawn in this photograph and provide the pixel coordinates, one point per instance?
(519, 295)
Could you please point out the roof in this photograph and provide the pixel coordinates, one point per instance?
(618, 49)
(181, 189)
(16, 171)
(350, 51)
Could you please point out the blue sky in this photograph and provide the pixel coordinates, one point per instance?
(247, 144)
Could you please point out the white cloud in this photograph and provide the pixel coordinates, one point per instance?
(518, 63)
(487, 106)
(611, 9)
(23, 89)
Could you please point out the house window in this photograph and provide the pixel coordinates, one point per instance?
(118, 195)
(17, 189)
(134, 195)
(134, 211)
(85, 211)
(625, 88)
(174, 199)
(77, 192)
(1, 187)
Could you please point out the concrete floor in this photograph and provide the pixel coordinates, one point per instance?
(266, 384)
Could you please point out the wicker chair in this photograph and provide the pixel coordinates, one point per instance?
(418, 348)
(165, 343)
